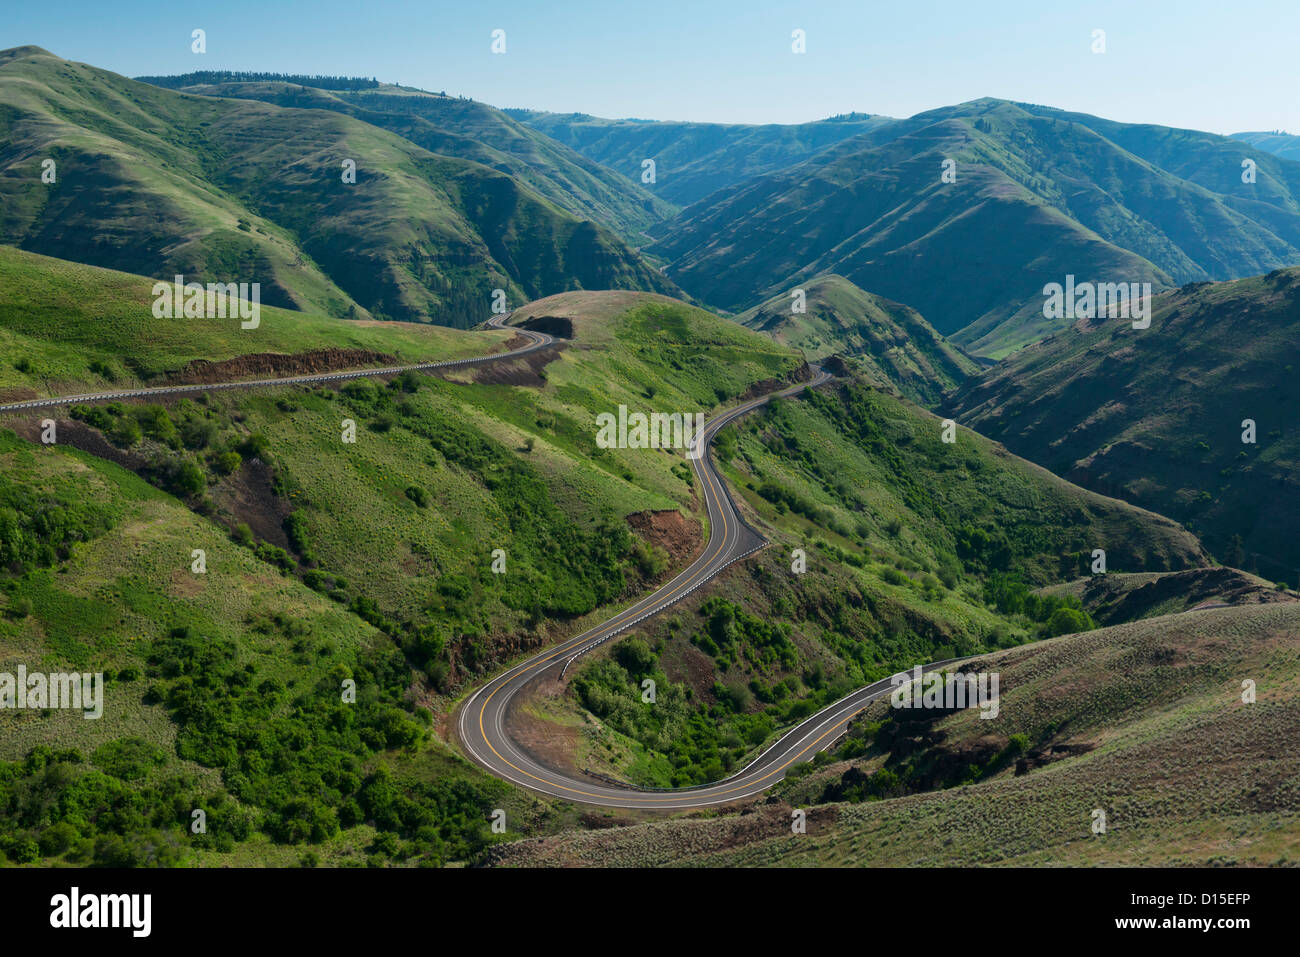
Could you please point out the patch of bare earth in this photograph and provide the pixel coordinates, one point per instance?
(764, 386)
(262, 364)
(80, 436)
(524, 371)
(551, 743)
(184, 583)
(247, 496)
(670, 530)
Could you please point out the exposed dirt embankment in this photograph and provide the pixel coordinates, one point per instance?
(802, 374)
(527, 371)
(78, 435)
(669, 530)
(261, 364)
(558, 326)
(249, 496)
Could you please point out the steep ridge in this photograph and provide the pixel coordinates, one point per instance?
(1037, 196)
(160, 183)
(892, 339)
(694, 159)
(1156, 416)
(470, 130)
(1285, 145)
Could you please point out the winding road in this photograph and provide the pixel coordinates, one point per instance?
(537, 340)
(485, 715)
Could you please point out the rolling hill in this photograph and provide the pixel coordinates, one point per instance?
(386, 543)
(158, 183)
(1039, 195)
(694, 159)
(1285, 145)
(1143, 722)
(469, 130)
(1155, 416)
(892, 339)
(289, 589)
(106, 336)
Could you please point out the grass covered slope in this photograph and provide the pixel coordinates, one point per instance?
(67, 327)
(224, 692)
(1114, 599)
(1144, 721)
(1038, 195)
(467, 129)
(1155, 416)
(893, 340)
(157, 182)
(915, 551)
(401, 525)
(327, 561)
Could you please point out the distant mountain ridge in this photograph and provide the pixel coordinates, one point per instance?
(692, 160)
(1039, 194)
(469, 130)
(158, 183)
(1285, 145)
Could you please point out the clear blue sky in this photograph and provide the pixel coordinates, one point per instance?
(1207, 64)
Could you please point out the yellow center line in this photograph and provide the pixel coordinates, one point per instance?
(714, 496)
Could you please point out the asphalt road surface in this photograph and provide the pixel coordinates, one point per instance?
(537, 340)
(484, 716)
(484, 719)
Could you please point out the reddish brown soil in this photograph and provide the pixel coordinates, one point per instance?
(554, 745)
(278, 364)
(246, 496)
(78, 435)
(525, 371)
(763, 387)
(669, 530)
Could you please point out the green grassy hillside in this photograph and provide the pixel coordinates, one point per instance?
(1114, 599)
(1144, 722)
(916, 550)
(388, 544)
(67, 328)
(1155, 416)
(694, 159)
(891, 339)
(1038, 195)
(467, 129)
(325, 561)
(224, 692)
(157, 183)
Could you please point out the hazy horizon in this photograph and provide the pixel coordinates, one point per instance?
(1197, 64)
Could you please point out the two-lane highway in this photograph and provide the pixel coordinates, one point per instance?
(484, 718)
(536, 341)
